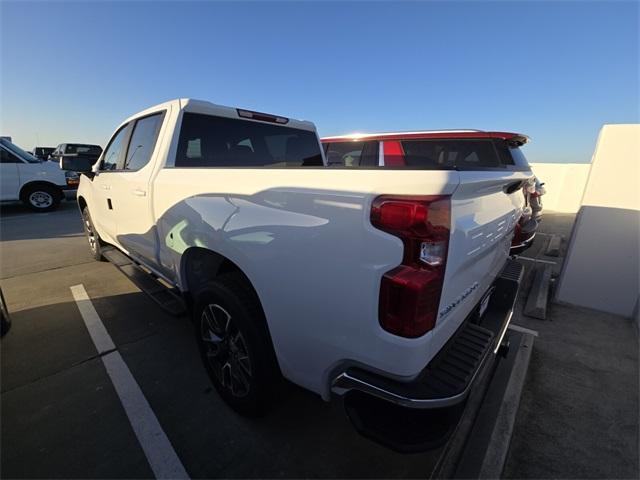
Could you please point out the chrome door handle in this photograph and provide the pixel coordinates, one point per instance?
(106, 187)
(139, 193)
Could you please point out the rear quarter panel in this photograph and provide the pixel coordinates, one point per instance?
(304, 240)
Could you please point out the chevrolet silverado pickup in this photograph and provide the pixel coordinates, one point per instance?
(389, 285)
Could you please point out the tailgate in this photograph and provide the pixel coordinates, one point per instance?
(484, 210)
(483, 217)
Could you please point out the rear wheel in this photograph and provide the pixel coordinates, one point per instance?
(5, 318)
(95, 244)
(235, 345)
(41, 198)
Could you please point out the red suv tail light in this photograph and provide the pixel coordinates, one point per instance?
(410, 293)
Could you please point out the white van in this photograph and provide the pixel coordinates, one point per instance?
(39, 185)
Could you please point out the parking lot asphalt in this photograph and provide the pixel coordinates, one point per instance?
(60, 414)
(579, 412)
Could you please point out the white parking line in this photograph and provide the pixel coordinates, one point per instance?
(154, 442)
(99, 334)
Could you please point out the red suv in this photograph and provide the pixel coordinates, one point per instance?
(439, 150)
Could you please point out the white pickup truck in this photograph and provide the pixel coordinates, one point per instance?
(388, 285)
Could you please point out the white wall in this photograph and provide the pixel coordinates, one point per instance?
(564, 182)
(602, 267)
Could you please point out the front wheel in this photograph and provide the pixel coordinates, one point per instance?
(95, 244)
(41, 198)
(235, 344)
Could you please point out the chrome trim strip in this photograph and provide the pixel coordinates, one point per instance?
(503, 331)
(525, 243)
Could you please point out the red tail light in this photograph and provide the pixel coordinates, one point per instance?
(410, 293)
(517, 235)
(524, 231)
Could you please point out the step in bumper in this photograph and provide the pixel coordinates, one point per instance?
(447, 380)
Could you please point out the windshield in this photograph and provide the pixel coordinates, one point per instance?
(26, 156)
(518, 157)
(43, 152)
(88, 149)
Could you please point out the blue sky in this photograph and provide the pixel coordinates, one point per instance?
(556, 71)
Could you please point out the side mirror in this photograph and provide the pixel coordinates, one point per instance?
(76, 164)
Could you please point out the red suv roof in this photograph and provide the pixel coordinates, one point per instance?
(427, 134)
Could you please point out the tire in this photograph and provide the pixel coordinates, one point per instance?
(235, 344)
(5, 318)
(41, 198)
(95, 243)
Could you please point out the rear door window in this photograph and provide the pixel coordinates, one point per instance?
(210, 141)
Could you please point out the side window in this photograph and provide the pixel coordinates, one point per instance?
(8, 157)
(143, 141)
(451, 154)
(114, 150)
(505, 152)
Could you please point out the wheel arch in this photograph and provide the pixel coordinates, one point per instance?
(200, 265)
(82, 203)
(39, 183)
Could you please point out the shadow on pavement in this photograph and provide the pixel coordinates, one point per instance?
(62, 418)
(20, 223)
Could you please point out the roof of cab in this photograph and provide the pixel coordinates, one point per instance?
(208, 108)
(427, 134)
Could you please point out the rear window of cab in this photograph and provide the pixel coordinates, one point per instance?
(208, 141)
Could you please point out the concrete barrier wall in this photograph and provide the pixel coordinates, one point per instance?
(565, 184)
(602, 267)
